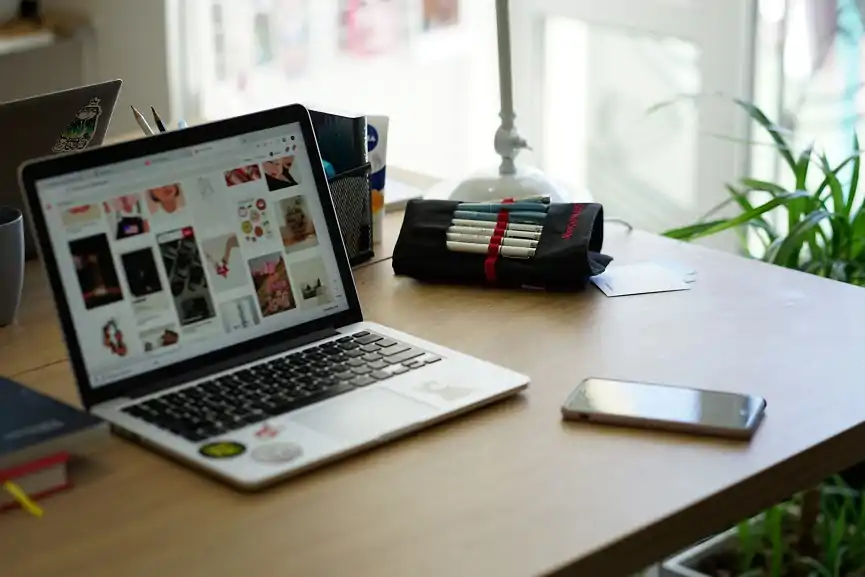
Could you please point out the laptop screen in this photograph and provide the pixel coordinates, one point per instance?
(179, 254)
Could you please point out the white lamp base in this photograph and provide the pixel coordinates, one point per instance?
(490, 186)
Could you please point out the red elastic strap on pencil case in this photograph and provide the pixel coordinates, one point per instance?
(495, 243)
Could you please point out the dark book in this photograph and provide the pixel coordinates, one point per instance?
(33, 426)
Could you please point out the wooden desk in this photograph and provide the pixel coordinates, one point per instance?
(510, 490)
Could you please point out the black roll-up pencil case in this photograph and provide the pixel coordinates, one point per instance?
(562, 253)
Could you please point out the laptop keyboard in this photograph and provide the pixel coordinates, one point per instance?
(278, 386)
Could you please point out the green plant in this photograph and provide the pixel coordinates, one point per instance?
(774, 521)
(749, 544)
(856, 552)
(816, 225)
(817, 533)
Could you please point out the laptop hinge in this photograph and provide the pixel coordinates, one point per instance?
(232, 362)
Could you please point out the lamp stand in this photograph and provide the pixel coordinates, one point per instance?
(511, 181)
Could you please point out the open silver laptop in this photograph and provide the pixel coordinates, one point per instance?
(210, 311)
(62, 121)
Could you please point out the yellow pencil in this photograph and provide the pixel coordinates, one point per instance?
(26, 502)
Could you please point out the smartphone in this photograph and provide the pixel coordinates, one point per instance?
(650, 405)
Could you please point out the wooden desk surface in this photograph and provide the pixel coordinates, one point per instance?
(510, 490)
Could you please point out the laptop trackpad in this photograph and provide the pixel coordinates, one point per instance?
(364, 415)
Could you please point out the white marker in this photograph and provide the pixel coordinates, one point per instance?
(485, 240)
(477, 231)
(506, 251)
(492, 224)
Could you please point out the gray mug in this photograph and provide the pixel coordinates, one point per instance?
(11, 262)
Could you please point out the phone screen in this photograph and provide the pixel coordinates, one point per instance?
(666, 403)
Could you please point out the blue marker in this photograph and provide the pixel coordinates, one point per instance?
(496, 207)
(518, 217)
(329, 170)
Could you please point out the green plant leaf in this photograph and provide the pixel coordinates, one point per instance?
(836, 190)
(818, 567)
(857, 235)
(716, 209)
(774, 131)
(796, 209)
(827, 179)
(747, 545)
(774, 517)
(683, 96)
(748, 141)
(700, 230)
(840, 226)
(839, 561)
(854, 178)
(857, 547)
(693, 231)
(741, 198)
(785, 251)
(802, 167)
(658, 106)
(762, 185)
(836, 530)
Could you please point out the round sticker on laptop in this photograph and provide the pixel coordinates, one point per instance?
(222, 450)
(277, 453)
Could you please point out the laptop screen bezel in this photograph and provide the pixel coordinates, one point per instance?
(37, 170)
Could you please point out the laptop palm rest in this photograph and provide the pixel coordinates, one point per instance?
(364, 415)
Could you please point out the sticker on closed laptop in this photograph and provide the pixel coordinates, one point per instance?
(444, 391)
(222, 450)
(268, 431)
(81, 130)
(277, 453)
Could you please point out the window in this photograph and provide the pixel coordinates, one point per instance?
(808, 81)
(820, 70)
(590, 71)
(429, 65)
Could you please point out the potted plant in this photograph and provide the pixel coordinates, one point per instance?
(816, 224)
(820, 533)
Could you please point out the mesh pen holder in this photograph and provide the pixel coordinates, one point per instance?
(352, 199)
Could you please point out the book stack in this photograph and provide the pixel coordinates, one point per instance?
(38, 436)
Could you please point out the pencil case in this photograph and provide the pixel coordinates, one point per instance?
(563, 252)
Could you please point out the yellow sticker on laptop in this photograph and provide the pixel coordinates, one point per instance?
(222, 450)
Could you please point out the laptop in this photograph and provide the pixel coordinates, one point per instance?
(63, 121)
(209, 308)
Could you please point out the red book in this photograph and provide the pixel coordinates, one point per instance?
(37, 436)
(38, 479)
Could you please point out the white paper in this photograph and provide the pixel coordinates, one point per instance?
(640, 278)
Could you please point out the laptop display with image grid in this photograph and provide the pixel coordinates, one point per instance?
(191, 251)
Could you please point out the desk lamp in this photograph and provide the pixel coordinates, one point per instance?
(511, 181)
